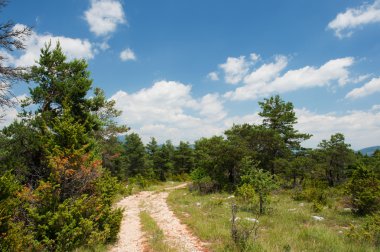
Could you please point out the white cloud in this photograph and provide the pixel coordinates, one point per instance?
(213, 76)
(267, 78)
(211, 107)
(104, 16)
(267, 72)
(72, 47)
(360, 78)
(167, 110)
(103, 46)
(352, 18)
(361, 128)
(249, 118)
(254, 57)
(235, 69)
(375, 107)
(127, 54)
(10, 113)
(373, 86)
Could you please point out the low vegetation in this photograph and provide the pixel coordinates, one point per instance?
(289, 225)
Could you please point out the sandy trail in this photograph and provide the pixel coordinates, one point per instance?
(131, 237)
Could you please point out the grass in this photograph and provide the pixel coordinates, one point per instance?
(288, 226)
(160, 186)
(94, 248)
(155, 236)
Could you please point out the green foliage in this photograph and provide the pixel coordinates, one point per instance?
(183, 158)
(368, 232)
(336, 156)
(180, 177)
(280, 117)
(135, 155)
(262, 181)
(59, 197)
(246, 193)
(139, 180)
(364, 189)
(9, 186)
(202, 182)
(311, 194)
(163, 162)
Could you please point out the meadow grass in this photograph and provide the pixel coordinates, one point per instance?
(154, 235)
(288, 225)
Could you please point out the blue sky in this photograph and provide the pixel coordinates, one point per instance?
(187, 69)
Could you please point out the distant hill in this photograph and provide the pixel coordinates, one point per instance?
(369, 150)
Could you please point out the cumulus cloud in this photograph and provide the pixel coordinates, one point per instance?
(373, 86)
(127, 54)
(211, 107)
(268, 78)
(9, 114)
(254, 57)
(103, 16)
(345, 22)
(72, 47)
(267, 72)
(235, 69)
(167, 110)
(361, 128)
(213, 76)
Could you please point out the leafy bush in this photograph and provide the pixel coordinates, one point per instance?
(364, 189)
(311, 194)
(202, 182)
(262, 181)
(246, 193)
(180, 177)
(369, 231)
(139, 180)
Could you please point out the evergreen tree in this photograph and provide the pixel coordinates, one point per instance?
(183, 158)
(336, 156)
(280, 116)
(135, 155)
(65, 200)
(164, 164)
(364, 190)
(152, 150)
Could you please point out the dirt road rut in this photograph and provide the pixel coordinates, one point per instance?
(131, 237)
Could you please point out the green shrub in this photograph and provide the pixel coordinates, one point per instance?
(246, 193)
(140, 181)
(368, 232)
(312, 194)
(364, 189)
(180, 177)
(317, 207)
(201, 181)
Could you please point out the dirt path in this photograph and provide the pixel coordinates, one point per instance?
(131, 238)
(130, 235)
